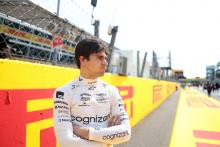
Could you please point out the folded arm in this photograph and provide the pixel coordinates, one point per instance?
(118, 130)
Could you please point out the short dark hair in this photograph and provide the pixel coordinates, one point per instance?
(86, 47)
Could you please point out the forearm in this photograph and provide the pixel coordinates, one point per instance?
(111, 135)
(68, 139)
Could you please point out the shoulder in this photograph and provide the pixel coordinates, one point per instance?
(108, 86)
(64, 92)
(68, 86)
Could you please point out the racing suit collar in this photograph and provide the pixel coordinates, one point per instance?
(88, 81)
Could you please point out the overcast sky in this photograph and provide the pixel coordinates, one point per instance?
(190, 29)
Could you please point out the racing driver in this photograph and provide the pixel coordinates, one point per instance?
(87, 111)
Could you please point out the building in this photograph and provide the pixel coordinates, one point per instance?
(217, 70)
(178, 74)
(125, 62)
(210, 72)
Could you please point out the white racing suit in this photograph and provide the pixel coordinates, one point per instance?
(89, 103)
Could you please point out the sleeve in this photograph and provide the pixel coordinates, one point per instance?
(115, 134)
(63, 125)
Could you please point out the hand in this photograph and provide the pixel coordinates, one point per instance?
(114, 120)
(81, 131)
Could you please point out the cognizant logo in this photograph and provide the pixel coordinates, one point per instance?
(118, 135)
(88, 120)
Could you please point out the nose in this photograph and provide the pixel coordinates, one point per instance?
(105, 62)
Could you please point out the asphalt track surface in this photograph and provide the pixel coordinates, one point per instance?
(155, 129)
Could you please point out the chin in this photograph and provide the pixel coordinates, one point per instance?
(101, 74)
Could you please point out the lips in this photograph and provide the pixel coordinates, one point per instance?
(104, 68)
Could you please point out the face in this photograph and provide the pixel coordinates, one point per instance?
(95, 66)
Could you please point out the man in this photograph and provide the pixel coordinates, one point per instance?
(4, 49)
(87, 111)
(209, 88)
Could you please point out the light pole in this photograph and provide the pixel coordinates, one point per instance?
(58, 7)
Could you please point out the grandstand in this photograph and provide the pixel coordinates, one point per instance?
(35, 34)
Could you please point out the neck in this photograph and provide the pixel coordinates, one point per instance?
(87, 76)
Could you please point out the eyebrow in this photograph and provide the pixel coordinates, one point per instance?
(102, 56)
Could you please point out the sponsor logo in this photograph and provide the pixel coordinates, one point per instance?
(157, 93)
(64, 120)
(60, 116)
(92, 119)
(63, 111)
(101, 94)
(127, 93)
(102, 100)
(116, 135)
(84, 104)
(92, 82)
(120, 105)
(92, 87)
(74, 86)
(85, 96)
(59, 95)
(123, 114)
(61, 107)
(60, 102)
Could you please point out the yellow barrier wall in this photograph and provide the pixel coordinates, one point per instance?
(26, 90)
(197, 122)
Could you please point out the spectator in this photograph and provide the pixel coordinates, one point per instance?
(5, 51)
(209, 88)
(217, 86)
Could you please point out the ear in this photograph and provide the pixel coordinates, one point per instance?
(82, 59)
